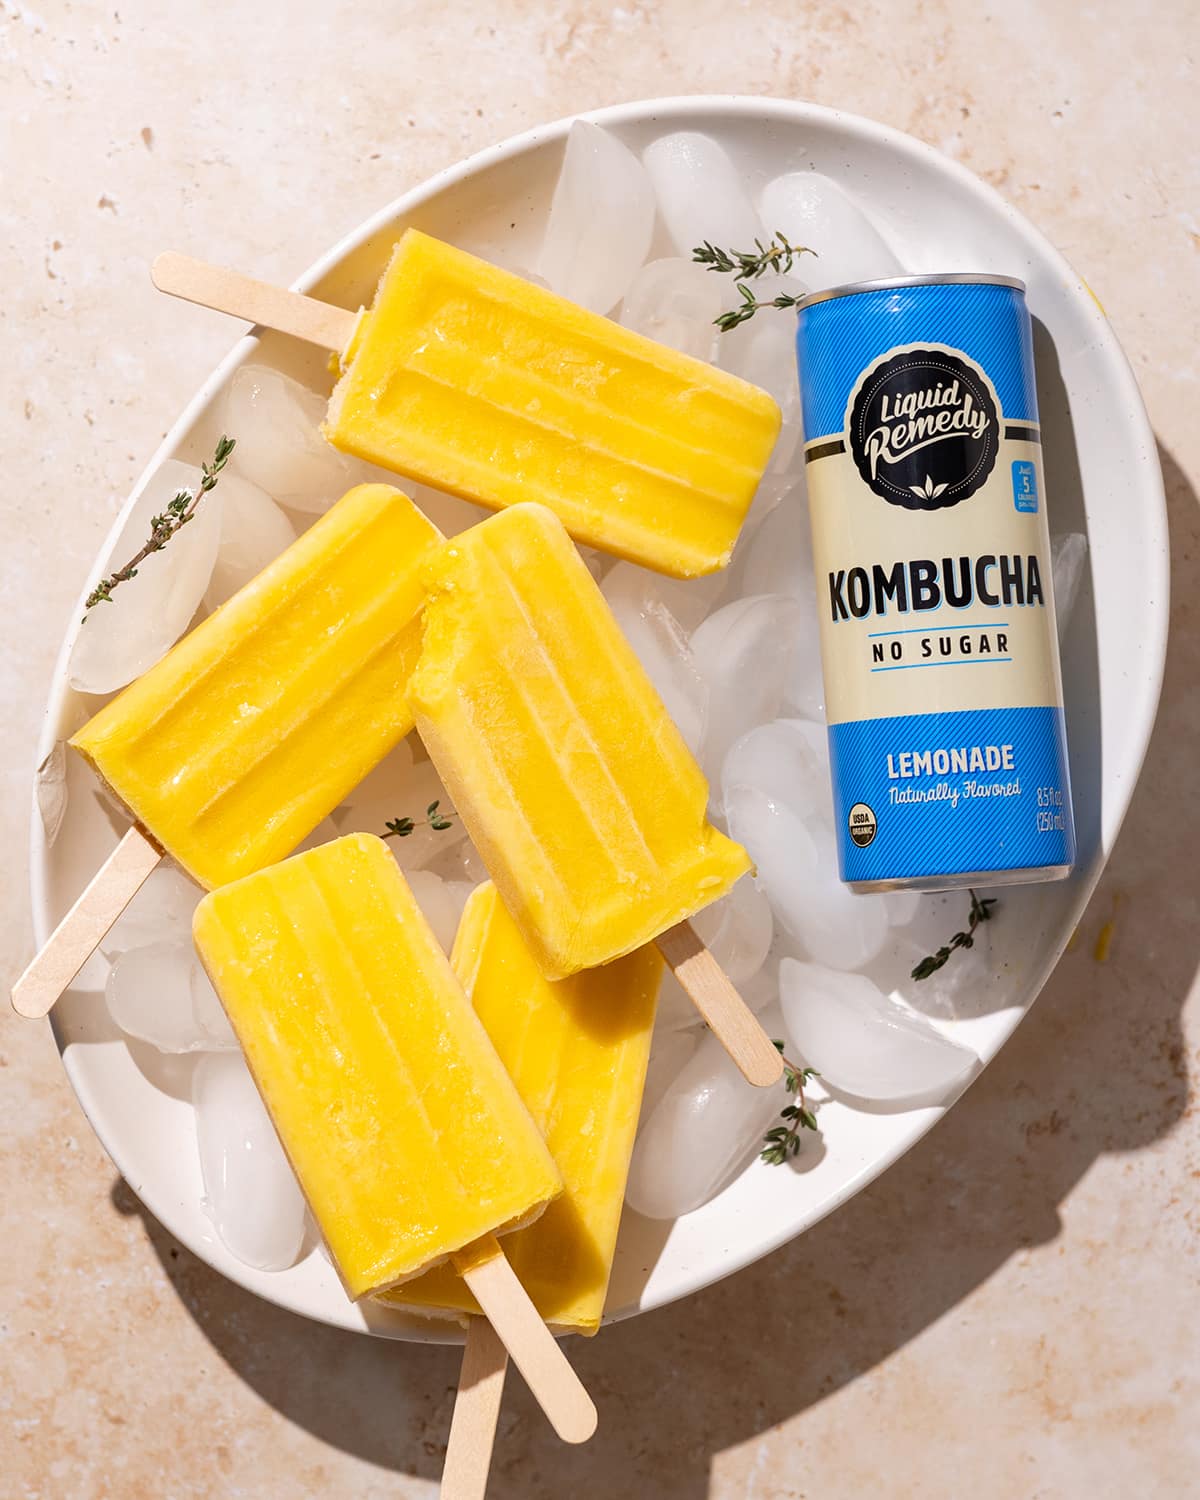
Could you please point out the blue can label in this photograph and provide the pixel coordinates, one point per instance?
(942, 684)
(952, 793)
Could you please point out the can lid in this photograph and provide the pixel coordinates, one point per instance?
(895, 283)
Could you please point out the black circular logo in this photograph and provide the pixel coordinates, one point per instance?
(862, 824)
(924, 429)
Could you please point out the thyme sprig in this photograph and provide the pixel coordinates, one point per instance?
(777, 255)
(163, 527)
(783, 1142)
(981, 911)
(435, 818)
(750, 304)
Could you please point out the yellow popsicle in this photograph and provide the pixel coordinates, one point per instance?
(407, 1136)
(577, 1052)
(471, 379)
(255, 726)
(582, 798)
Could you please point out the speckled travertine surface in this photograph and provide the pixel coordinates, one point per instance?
(1012, 1311)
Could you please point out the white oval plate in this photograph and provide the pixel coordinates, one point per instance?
(1102, 477)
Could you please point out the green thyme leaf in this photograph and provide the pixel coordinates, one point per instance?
(980, 911)
(783, 1141)
(163, 527)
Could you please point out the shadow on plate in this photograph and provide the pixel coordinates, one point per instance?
(677, 1386)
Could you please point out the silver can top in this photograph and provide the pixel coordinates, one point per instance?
(895, 283)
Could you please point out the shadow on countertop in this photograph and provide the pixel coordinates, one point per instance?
(982, 1186)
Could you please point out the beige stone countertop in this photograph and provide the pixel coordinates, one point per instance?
(1011, 1312)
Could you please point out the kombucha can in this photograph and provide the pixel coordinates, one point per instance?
(943, 690)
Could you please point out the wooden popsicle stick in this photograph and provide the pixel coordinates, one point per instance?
(74, 940)
(476, 1412)
(555, 1385)
(728, 1016)
(256, 301)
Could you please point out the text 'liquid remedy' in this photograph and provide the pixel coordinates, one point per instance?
(942, 683)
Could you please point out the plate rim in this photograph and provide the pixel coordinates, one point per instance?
(665, 110)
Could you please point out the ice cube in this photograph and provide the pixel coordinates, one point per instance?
(50, 781)
(763, 349)
(701, 194)
(750, 653)
(160, 994)
(786, 456)
(661, 646)
(459, 861)
(254, 531)
(689, 600)
(276, 422)
(676, 302)
(597, 563)
(457, 893)
(161, 912)
(963, 988)
(778, 558)
(601, 220)
(891, 968)
(706, 1126)
(902, 906)
(669, 1051)
(737, 930)
(770, 490)
(966, 984)
(788, 760)
(122, 637)
(324, 833)
(812, 210)
(862, 1041)
(517, 268)
(692, 600)
(676, 1010)
(796, 866)
(1067, 556)
(780, 845)
(415, 794)
(380, 794)
(447, 512)
(761, 989)
(251, 1194)
(838, 926)
(437, 903)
